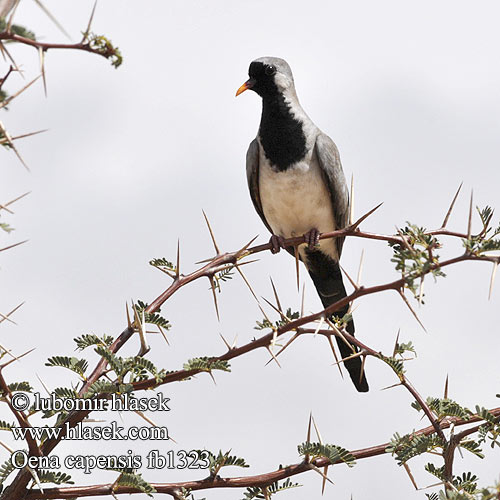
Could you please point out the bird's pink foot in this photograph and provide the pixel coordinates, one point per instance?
(312, 238)
(277, 243)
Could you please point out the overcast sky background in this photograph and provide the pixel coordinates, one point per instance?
(409, 93)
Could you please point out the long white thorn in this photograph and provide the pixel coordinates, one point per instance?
(351, 201)
(10, 313)
(5, 205)
(276, 295)
(163, 334)
(357, 355)
(87, 31)
(351, 281)
(405, 300)
(492, 280)
(410, 475)
(308, 437)
(447, 216)
(13, 147)
(129, 323)
(43, 384)
(53, 19)
(320, 324)
(225, 342)
(247, 283)
(284, 347)
(362, 371)
(17, 358)
(217, 251)
(469, 222)
(317, 431)
(302, 302)
(6, 350)
(11, 18)
(314, 468)
(10, 450)
(325, 472)
(19, 92)
(360, 269)
(296, 253)
(214, 295)
(341, 335)
(365, 216)
(272, 355)
(178, 260)
(233, 345)
(332, 347)
(41, 55)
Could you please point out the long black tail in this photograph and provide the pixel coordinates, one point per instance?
(327, 277)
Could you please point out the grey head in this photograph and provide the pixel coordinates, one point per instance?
(269, 77)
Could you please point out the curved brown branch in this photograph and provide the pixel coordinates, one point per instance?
(293, 325)
(85, 46)
(264, 341)
(18, 487)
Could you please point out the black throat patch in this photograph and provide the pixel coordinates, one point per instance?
(281, 134)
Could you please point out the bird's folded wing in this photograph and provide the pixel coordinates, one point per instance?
(253, 180)
(329, 162)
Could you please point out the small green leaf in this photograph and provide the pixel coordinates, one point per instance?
(47, 476)
(206, 364)
(332, 452)
(135, 481)
(71, 363)
(89, 339)
(105, 48)
(20, 387)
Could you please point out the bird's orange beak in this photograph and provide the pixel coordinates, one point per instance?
(247, 85)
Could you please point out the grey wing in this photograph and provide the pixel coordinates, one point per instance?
(253, 179)
(329, 162)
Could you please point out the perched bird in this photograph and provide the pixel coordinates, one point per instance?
(298, 186)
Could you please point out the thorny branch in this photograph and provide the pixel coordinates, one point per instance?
(90, 42)
(45, 46)
(260, 480)
(220, 262)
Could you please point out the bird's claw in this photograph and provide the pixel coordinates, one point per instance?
(277, 243)
(312, 238)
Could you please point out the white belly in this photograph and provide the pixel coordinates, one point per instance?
(296, 201)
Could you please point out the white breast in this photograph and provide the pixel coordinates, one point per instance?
(297, 200)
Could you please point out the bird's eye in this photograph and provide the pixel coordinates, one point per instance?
(270, 70)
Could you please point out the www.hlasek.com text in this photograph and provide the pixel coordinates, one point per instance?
(87, 432)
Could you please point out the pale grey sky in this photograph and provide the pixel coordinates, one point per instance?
(409, 92)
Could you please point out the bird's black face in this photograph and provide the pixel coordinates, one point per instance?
(261, 79)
